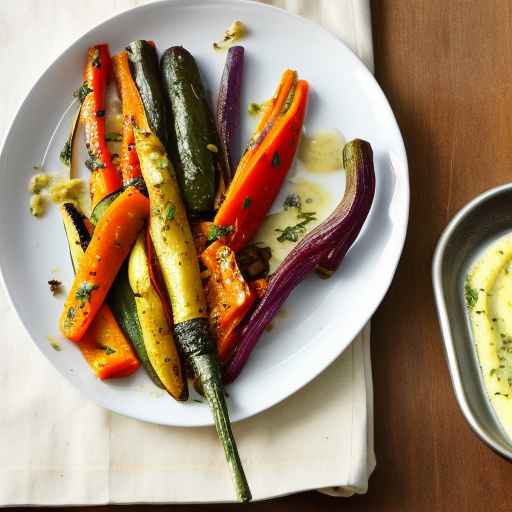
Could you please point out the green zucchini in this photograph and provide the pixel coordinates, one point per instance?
(146, 73)
(174, 247)
(197, 142)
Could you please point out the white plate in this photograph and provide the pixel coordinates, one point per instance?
(322, 317)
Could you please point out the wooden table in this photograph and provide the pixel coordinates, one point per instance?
(446, 67)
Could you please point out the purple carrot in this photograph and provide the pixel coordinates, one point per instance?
(327, 244)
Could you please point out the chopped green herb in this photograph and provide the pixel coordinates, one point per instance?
(109, 351)
(82, 92)
(92, 163)
(254, 108)
(471, 296)
(171, 211)
(83, 294)
(70, 318)
(215, 232)
(294, 233)
(113, 137)
(247, 202)
(55, 346)
(65, 154)
(292, 200)
(276, 160)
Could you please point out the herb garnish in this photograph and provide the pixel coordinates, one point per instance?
(471, 296)
(93, 163)
(113, 137)
(55, 286)
(65, 154)
(171, 211)
(70, 318)
(83, 294)
(215, 232)
(109, 351)
(82, 92)
(292, 200)
(276, 160)
(247, 202)
(294, 233)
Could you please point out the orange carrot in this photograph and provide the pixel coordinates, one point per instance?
(133, 113)
(111, 243)
(270, 114)
(229, 296)
(105, 178)
(256, 185)
(105, 348)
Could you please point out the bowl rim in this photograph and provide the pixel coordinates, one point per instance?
(445, 322)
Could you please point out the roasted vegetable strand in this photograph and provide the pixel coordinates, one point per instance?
(339, 230)
(104, 345)
(133, 114)
(256, 185)
(105, 177)
(111, 242)
(199, 163)
(146, 73)
(229, 296)
(157, 332)
(176, 253)
(228, 108)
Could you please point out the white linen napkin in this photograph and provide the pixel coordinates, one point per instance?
(57, 448)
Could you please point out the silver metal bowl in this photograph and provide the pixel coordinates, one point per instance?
(477, 225)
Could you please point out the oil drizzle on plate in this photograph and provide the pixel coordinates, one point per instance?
(314, 198)
(322, 152)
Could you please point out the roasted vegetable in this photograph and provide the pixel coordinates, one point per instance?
(104, 346)
(157, 332)
(199, 162)
(229, 296)
(176, 253)
(339, 230)
(273, 108)
(228, 108)
(121, 295)
(258, 180)
(112, 241)
(146, 73)
(104, 175)
(122, 303)
(253, 261)
(133, 114)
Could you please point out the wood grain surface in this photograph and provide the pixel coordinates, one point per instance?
(446, 67)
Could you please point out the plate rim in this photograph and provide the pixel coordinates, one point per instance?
(400, 242)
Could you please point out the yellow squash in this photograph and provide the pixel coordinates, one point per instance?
(170, 231)
(157, 333)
